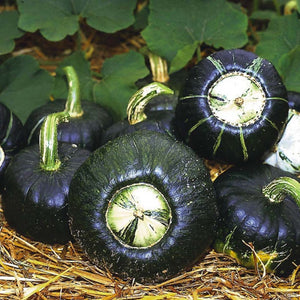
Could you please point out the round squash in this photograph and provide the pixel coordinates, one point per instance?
(12, 137)
(36, 186)
(233, 107)
(143, 206)
(259, 222)
(87, 122)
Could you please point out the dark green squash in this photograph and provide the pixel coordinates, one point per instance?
(259, 222)
(233, 107)
(36, 185)
(12, 137)
(286, 153)
(88, 119)
(143, 206)
(159, 117)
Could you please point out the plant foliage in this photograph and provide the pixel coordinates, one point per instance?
(181, 32)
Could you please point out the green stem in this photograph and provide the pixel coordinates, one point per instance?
(48, 141)
(2, 156)
(159, 68)
(137, 103)
(290, 7)
(280, 187)
(277, 6)
(73, 103)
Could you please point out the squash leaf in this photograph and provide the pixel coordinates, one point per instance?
(289, 66)
(57, 18)
(9, 31)
(280, 38)
(177, 27)
(83, 70)
(24, 85)
(119, 75)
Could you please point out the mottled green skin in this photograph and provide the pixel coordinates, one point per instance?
(247, 216)
(177, 172)
(35, 201)
(212, 138)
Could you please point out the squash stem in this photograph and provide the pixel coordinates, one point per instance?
(73, 103)
(137, 103)
(2, 156)
(48, 141)
(280, 187)
(159, 68)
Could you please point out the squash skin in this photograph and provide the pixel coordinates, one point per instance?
(159, 121)
(177, 172)
(35, 201)
(247, 215)
(85, 131)
(258, 137)
(12, 137)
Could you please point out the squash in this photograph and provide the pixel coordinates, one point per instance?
(87, 121)
(36, 185)
(259, 222)
(12, 137)
(286, 153)
(233, 107)
(143, 206)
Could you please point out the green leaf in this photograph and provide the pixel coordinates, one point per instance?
(57, 18)
(173, 26)
(182, 57)
(83, 70)
(264, 15)
(24, 85)
(9, 31)
(289, 66)
(280, 38)
(118, 83)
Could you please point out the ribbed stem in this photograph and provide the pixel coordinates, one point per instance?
(48, 141)
(159, 68)
(73, 103)
(137, 103)
(280, 187)
(2, 156)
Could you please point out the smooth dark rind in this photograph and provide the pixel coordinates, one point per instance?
(177, 172)
(35, 201)
(213, 139)
(159, 121)
(85, 131)
(248, 218)
(12, 136)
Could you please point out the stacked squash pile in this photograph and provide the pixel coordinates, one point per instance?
(137, 196)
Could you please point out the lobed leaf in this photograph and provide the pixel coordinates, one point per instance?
(9, 31)
(118, 82)
(24, 85)
(173, 28)
(280, 38)
(58, 18)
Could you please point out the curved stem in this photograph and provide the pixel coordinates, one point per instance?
(73, 104)
(2, 156)
(280, 187)
(290, 7)
(159, 68)
(48, 141)
(137, 103)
